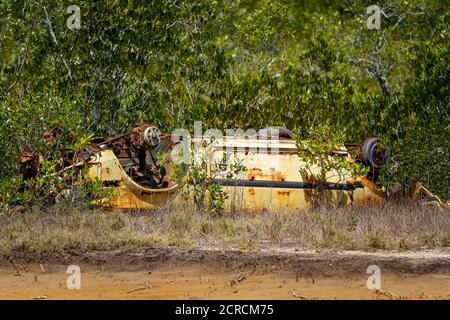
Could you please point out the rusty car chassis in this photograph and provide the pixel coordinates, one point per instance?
(136, 166)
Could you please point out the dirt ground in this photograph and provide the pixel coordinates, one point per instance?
(168, 273)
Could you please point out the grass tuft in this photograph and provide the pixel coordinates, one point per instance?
(66, 227)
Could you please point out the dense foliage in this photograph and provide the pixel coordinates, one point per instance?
(230, 64)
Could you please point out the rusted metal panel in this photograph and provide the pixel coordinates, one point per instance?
(127, 193)
(369, 195)
(277, 164)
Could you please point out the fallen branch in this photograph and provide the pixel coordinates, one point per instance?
(149, 286)
(388, 294)
(303, 297)
(238, 279)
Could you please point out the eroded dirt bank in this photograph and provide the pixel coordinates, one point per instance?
(174, 273)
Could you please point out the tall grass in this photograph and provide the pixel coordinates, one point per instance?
(65, 227)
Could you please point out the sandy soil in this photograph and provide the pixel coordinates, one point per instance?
(169, 273)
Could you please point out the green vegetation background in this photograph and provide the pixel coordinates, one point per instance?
(230, 64)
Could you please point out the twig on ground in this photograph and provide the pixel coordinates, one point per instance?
(303, 297)
(148, 286)
(238, 279)
(388, 294)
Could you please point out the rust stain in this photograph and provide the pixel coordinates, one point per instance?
(251, 191)
(278, 176)
(29, 163)
(284, 192)
(254, 172)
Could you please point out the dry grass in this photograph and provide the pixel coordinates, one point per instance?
(65, 227)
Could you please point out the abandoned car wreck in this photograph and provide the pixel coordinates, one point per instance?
(137, 167)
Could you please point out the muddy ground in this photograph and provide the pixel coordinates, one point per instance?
(174, 273)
